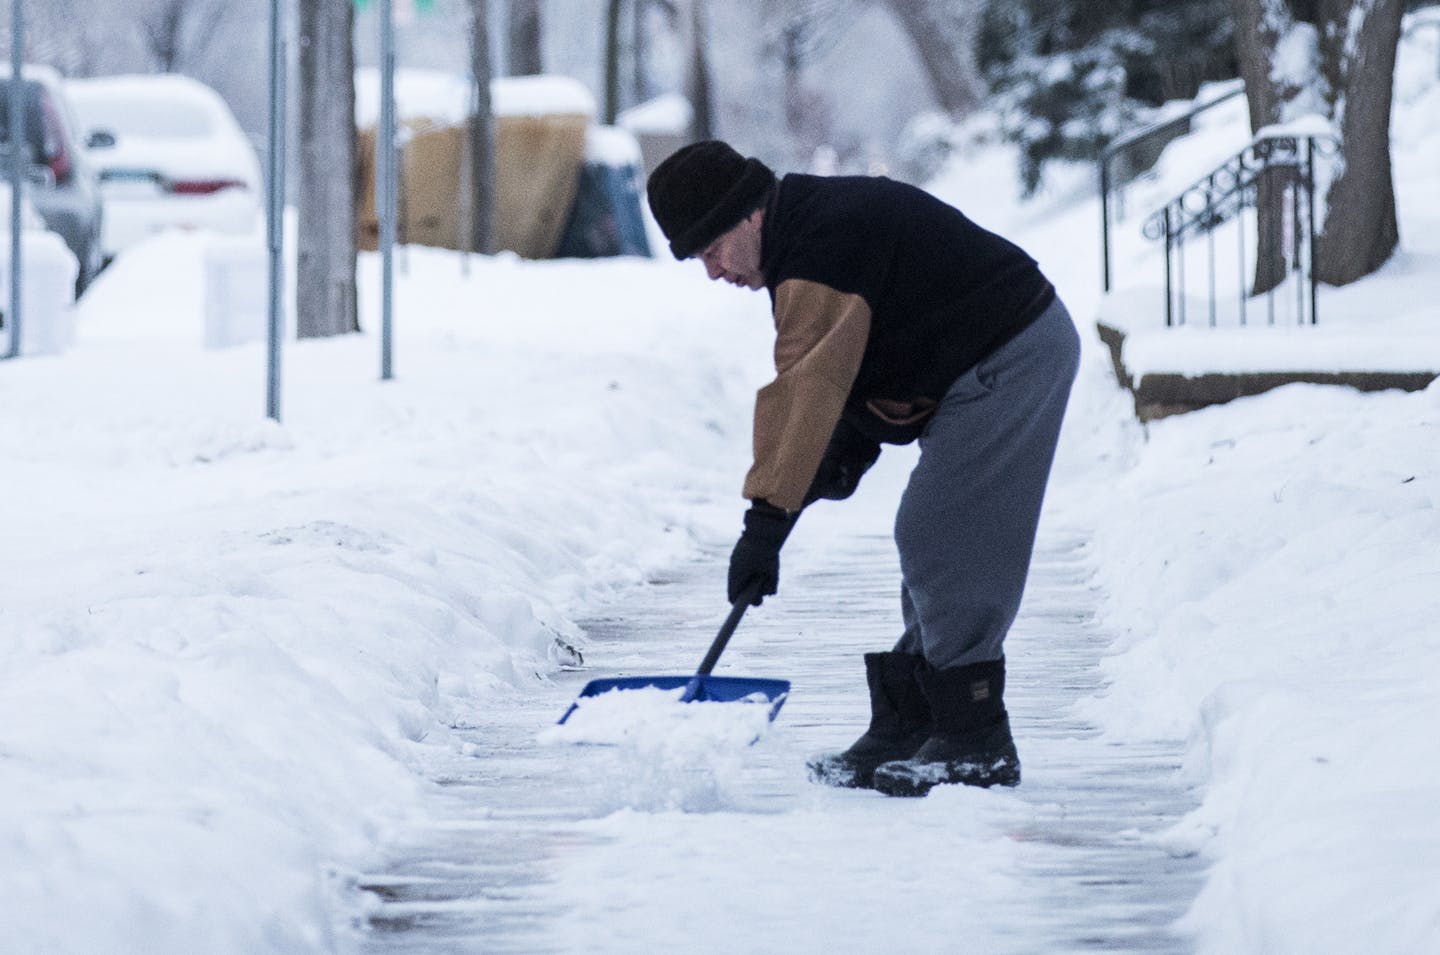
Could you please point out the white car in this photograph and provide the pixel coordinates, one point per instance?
(170, 155)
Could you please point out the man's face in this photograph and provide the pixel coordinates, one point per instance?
(735, 256)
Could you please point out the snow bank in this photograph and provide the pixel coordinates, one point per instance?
(226, 642)
(1272, 567)
(47, 293)
(1271, 563)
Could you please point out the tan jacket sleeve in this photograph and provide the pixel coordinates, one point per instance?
(820, 337)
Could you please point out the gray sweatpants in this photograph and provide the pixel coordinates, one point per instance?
(967, 520)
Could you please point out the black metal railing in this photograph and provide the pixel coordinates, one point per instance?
(1140, 149)
(1275, 177)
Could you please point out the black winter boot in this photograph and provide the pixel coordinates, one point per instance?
(899, 723)
(971, 742)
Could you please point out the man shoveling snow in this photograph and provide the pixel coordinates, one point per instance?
(897, 319)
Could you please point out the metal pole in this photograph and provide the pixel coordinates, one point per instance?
(1169, 292)
(465, 200)
(275, 210)
(1240, 243)
(18, 149)
(385, 185)
(1295, 251)
(1105, 222)
(1180, 274)
(1210, 259)
(1310, 220)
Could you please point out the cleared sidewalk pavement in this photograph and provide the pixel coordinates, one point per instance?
(535, 848)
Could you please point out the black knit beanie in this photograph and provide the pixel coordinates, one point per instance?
(702, 191)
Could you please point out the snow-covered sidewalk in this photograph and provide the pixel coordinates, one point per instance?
(227, 645)
(224, 642)
(231, 650)
(670, 838)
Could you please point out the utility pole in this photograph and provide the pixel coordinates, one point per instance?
(385, 187)
(275, 210)
(18, 149)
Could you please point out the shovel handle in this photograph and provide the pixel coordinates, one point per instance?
(737, 610)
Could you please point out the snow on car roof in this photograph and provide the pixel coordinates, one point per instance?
(159, 106)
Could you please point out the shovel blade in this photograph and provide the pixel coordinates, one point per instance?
(698, 689)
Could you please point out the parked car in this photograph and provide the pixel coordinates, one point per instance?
(60, 183)
(170, 154)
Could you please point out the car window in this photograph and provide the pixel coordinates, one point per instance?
(34, 128)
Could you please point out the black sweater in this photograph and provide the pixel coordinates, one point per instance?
(883, 295)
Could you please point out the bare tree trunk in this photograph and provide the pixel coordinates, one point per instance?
(481, 133)
(525, 32)
(945, 34)
(1355, 44)
(792, 60)
(1259, 24)
(161, 27)
(808, 116)
(639, 42)
(325, 268)
(176, 33)
(1361, 229)
(612, 60)
(701, 87)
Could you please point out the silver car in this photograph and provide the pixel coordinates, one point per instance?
(60, 183)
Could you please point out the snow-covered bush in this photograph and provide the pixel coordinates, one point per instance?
(1068, 77)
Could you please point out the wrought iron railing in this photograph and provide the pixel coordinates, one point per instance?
(1145, 140)
(1275, 177)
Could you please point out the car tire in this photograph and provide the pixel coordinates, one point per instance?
(91, 267)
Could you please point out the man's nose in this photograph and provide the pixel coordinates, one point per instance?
(713, 269)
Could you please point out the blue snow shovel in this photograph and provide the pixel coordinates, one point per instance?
(702, 687)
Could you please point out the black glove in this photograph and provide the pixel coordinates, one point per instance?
(847, 457)
(756, 557)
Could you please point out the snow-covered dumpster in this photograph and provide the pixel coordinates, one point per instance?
(541, 129)
(605, 218)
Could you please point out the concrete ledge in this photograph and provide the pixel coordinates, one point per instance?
(1158, 395)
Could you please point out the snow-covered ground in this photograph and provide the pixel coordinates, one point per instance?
(1385, 323)
(223, 638)
(1272, 567)
(226, 643)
